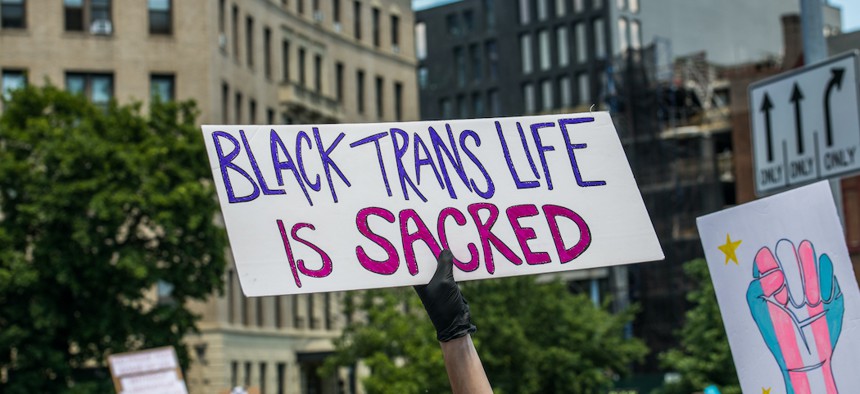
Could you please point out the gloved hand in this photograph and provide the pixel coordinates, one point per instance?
(446, 306)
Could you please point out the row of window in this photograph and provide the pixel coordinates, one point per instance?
(562, 41)
(93, 16)
(97, 86)
(475, 105)
(302, 307)
(246, 378)
(555, 94)
(541, 8)
(481, 60)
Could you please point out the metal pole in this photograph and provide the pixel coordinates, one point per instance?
(815, 50)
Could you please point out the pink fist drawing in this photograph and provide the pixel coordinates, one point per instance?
(800, 329)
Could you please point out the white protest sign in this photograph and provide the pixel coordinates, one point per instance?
(314, 208)
(787, 292)
(147, 372)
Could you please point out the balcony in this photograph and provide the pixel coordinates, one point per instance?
(308, 106)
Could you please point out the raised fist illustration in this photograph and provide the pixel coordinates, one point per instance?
(801, 327)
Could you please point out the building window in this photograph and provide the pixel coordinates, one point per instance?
(338, 81)
(462, 107)
(359, 90)
(335, 14)
(252, 119)
(524, 11)
(477, 64)
(380, 99)
(395, 33)
(12, 80)
(621, 4)
(97, 19)
(318, 73)
(492, 59)
(13, 14)
(318, 15)
(477, 105)
(635, 38)
(249, 40)
(422, 76)
(312, 321)
(445, 108)
(581, 49)
(599, 39)
(578, 5)
(622, 35)
(584, 90)
(560, 7)
(262, 376)
(529, 98)
(225, 109)
(543, 48)
(597, 4)
(222, 23)
(563, 46)
(98, 87)
(267, 52)
(247, 374)
(489, 14)
(300, 7)
(398, 101)
(468, 21)
(452, 24)
(302, 80)
(282, 377)
(270, 119)
(160, 18)
(162, 87)
(566, 93)
(356, 19)
(235, 21)
(495, 105)
(460, 66)
(526, 52)
(234, 374)
(327, 310)
(285, 61)
(634, 6)
(297, 316)
(546, 95)
(421, 40)
(542, 11)
(377, 40)
(238, 105)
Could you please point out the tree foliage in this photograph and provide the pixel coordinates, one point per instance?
(532, 338)
(97, 206)
(704, 357)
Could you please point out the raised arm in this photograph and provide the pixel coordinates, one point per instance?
(449, 313)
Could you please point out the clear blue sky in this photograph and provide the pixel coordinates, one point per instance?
(850, 14)
(850, 10)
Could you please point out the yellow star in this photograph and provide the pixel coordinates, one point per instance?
(765, 390)
(729, 249)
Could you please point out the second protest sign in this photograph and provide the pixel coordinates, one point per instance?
(313, 208)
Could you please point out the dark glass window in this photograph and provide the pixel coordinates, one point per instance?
(98, 87)
(13, 14)
(162, 87)
(160, 18)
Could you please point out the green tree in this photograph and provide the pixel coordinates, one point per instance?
(532, 338)
(704, 357)
(97, 207)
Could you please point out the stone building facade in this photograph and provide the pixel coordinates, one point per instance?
(243, 62)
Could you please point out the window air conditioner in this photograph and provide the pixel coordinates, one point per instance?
(101, 27)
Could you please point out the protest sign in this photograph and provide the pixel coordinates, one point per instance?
(313, 208)
(787, 292)
(152, 371)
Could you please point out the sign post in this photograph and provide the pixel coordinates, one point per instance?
(806, 125)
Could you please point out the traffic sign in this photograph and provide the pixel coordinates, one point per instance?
(806, 124)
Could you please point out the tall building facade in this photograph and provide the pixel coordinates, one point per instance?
(243, 62)
(490, 57)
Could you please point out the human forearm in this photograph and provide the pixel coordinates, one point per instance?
(465, 371)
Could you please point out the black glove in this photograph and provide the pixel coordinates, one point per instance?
(446, 306)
